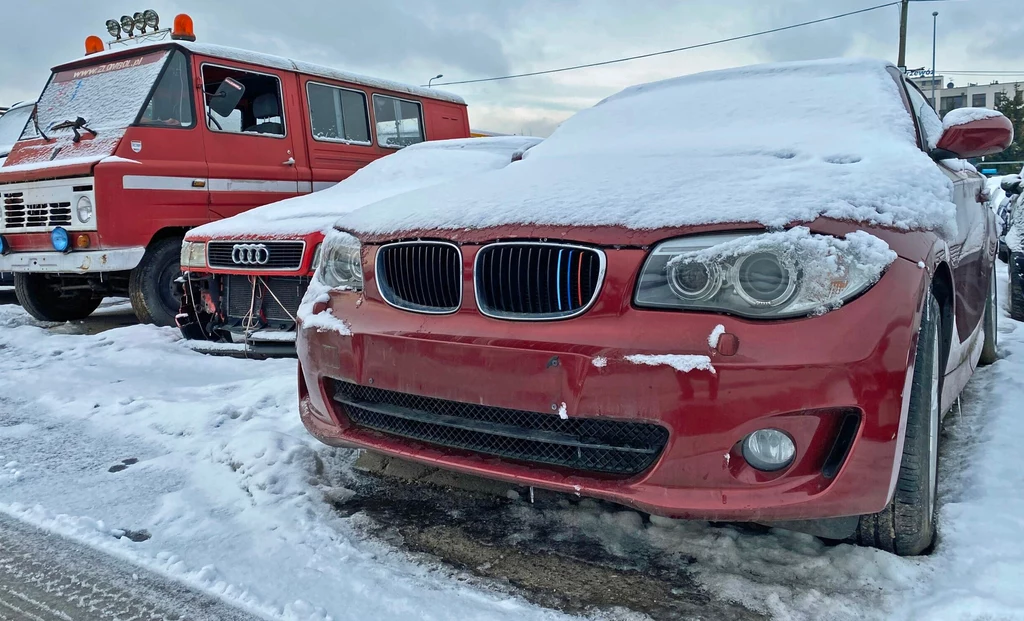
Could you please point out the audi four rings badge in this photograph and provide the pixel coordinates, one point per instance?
(250, 254)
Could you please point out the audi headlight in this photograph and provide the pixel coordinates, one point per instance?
(317, 256)
(762, 275)
(193, 255)
(341, 261)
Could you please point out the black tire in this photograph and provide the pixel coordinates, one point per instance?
(906, 526)
(155, 296)
(41, 297)
(989, 349)
(1016, 297)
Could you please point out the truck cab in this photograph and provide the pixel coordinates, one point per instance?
(132, 146)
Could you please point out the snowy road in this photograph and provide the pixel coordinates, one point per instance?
(46, 577)
(197, 469)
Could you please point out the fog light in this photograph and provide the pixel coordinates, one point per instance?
(5, 247)
(82, 241)
(769, 450)
(59, 239)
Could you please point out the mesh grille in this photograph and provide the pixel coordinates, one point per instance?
(536, 280)
(583, 444)
(421, 276)
(279, 255)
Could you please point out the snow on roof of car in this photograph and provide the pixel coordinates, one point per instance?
(287, 64)
(792, 141)
(411, 168)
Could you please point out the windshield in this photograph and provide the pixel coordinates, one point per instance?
(109, 96)
(11, 125)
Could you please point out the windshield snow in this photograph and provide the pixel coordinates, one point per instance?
(11, 125)
(108, 96)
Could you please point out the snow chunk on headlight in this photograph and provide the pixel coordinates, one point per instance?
(341, 262)
(771, 275)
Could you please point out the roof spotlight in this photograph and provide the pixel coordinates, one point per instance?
(127, 24)
(140, 22)
(114, 28)
(152, 19)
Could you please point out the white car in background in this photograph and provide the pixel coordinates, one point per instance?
(12, 123)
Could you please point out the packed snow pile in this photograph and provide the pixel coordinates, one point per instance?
(324, 321)
(963, 116)
(681, 363)
(416, 166)
(792, 141)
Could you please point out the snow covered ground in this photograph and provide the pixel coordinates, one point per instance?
(197, 467)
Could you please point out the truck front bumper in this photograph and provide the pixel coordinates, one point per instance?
(76, 262)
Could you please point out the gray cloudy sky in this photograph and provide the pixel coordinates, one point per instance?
(412, 40)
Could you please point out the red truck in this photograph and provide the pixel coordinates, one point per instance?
(133, 145)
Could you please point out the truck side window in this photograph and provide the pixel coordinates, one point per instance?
(258, 112)
(338, 114)
(399, 121)
(170, 105)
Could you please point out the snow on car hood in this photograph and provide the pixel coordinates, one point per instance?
(413, 167)
(793, 141)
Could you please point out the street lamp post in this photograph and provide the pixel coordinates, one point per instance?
(436, 77)
(935, 30)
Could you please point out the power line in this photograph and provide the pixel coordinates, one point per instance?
(678, 49)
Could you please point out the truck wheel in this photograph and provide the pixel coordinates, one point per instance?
(989, 348)
(155, 296)
(41, 296)
(906, 525)
(1017, 286)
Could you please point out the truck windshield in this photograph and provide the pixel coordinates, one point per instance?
(108, 96)
(11, 125)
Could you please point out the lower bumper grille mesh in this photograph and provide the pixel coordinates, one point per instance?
(591, 445)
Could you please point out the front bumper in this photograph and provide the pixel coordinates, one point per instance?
(803, 376)
(76, 262)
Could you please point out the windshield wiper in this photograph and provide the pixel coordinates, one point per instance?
(35, 121)
(77, 124)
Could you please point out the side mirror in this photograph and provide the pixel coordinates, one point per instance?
(1011, 185)
(224, 101)
(973, 132)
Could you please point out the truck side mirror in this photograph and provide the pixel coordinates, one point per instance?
(224, 101)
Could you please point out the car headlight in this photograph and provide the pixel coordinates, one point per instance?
(317, 256)
(193, 255)
(341, 261)
(762, 275)
(84, 209)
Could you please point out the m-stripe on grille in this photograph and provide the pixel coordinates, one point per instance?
(537, 281)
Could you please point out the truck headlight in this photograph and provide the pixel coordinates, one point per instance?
(193, 255)
(762, 275)
(341, 261)
(84, 209)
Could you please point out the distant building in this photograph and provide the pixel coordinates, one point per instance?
(972, 95)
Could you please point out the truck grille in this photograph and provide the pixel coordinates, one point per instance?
(19, 215)
(425, 277)
(537, 281)
(592, 445)
(238, 296)
(256, 256)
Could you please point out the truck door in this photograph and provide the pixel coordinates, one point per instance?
(256, 154)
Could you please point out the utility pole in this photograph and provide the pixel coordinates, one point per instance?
(904, 10)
